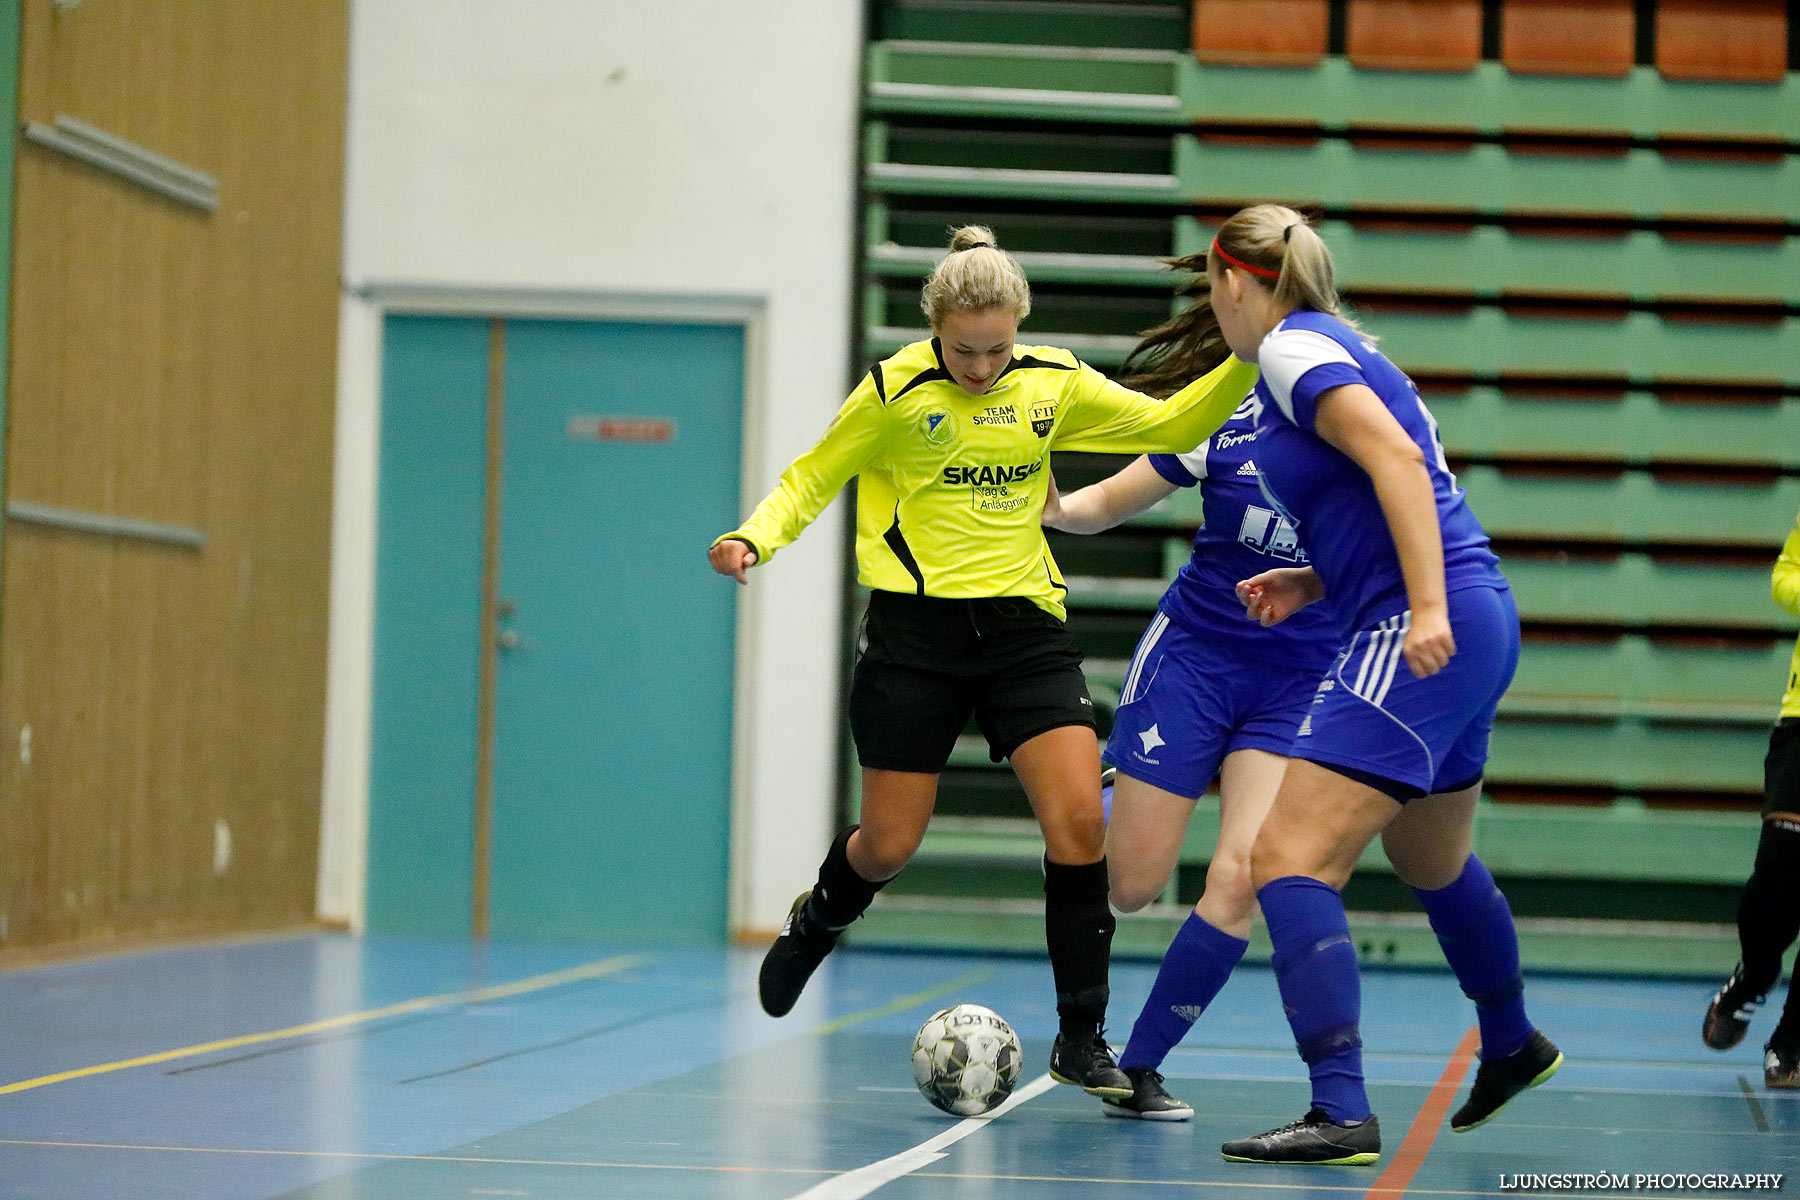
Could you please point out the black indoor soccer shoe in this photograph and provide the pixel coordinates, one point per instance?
(1313, 1140)
(1728, 1016)
(1149, 1100)
(791, 961)
(1086, 1062)
(1497, 1082)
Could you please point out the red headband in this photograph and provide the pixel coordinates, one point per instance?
(1240, 264)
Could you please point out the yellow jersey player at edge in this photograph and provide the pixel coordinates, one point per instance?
(1768, 915)
(951, 441)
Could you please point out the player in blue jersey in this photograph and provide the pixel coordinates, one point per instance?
(1209, 694)
(1396, 737)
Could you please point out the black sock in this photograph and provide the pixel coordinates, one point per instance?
(1768, 915)
(1078, 927)
(841, 895)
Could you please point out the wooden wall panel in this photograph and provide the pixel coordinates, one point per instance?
(1414, 35)
(1731, 41)
(1270, 33)
(178, 366)
(1568, 37)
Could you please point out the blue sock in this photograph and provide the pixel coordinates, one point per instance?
(1474, 925)
(1197, 964)
(1315, 967)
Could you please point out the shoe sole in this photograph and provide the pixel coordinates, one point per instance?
(1113, 1109)
(1546, 1073)
(1362, 1159)
(1115, 1093)
(1710, 1032)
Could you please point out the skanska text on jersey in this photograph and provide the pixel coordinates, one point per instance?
(990, 476)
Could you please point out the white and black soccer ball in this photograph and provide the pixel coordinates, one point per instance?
(966, 1059)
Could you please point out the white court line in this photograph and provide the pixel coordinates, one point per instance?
(854, 1185)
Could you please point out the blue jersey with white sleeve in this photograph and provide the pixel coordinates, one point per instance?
(1242, 535)
(1326, 496)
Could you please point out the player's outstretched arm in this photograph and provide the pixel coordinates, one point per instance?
(855, 436)
(1107, 417)
(1102, 505)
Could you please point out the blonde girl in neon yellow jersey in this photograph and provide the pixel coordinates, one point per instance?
(950, 441)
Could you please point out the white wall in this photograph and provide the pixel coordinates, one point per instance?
(683, 154)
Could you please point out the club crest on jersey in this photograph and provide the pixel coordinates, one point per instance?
(1271, 533)
(939, 427)
(1043, 416)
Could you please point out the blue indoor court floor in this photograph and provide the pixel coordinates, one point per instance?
(329, 1067)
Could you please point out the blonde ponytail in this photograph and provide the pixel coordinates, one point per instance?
(976, 275)
(1281, 250)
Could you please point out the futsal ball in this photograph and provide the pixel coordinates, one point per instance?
(966, 1059)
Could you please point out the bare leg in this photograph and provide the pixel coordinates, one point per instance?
(896, 808)
(1209, 943)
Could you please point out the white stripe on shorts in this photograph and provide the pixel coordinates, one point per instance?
(1387, 678)
(1379, 638)
(1158, 623)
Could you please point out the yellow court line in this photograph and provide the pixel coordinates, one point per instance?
(499, 991)
(902, 1003)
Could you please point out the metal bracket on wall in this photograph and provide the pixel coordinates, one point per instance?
(146, 168)
(87, 522)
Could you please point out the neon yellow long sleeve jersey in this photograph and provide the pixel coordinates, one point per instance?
(1785, 586)
(952, 485)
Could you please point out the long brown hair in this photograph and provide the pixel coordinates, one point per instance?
(1184, 347)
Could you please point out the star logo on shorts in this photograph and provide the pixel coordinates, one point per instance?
(1152, 738)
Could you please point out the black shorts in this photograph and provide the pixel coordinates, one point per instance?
(927, 665)
(1781, 768)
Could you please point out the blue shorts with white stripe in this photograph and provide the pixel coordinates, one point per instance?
(1193, 698)
(1372, 716)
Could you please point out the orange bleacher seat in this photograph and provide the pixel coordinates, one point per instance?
(1568, 37)
(1273, 33)
(1415, 35)
(1730, 41)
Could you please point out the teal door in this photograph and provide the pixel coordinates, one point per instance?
(612, 751)
(611, 707)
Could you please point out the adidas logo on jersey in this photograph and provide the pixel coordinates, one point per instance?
(1187, 1012)
(1249, 468)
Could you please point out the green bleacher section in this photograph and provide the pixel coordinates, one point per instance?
(1596, 283)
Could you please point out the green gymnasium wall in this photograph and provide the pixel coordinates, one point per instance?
(1593, 280)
